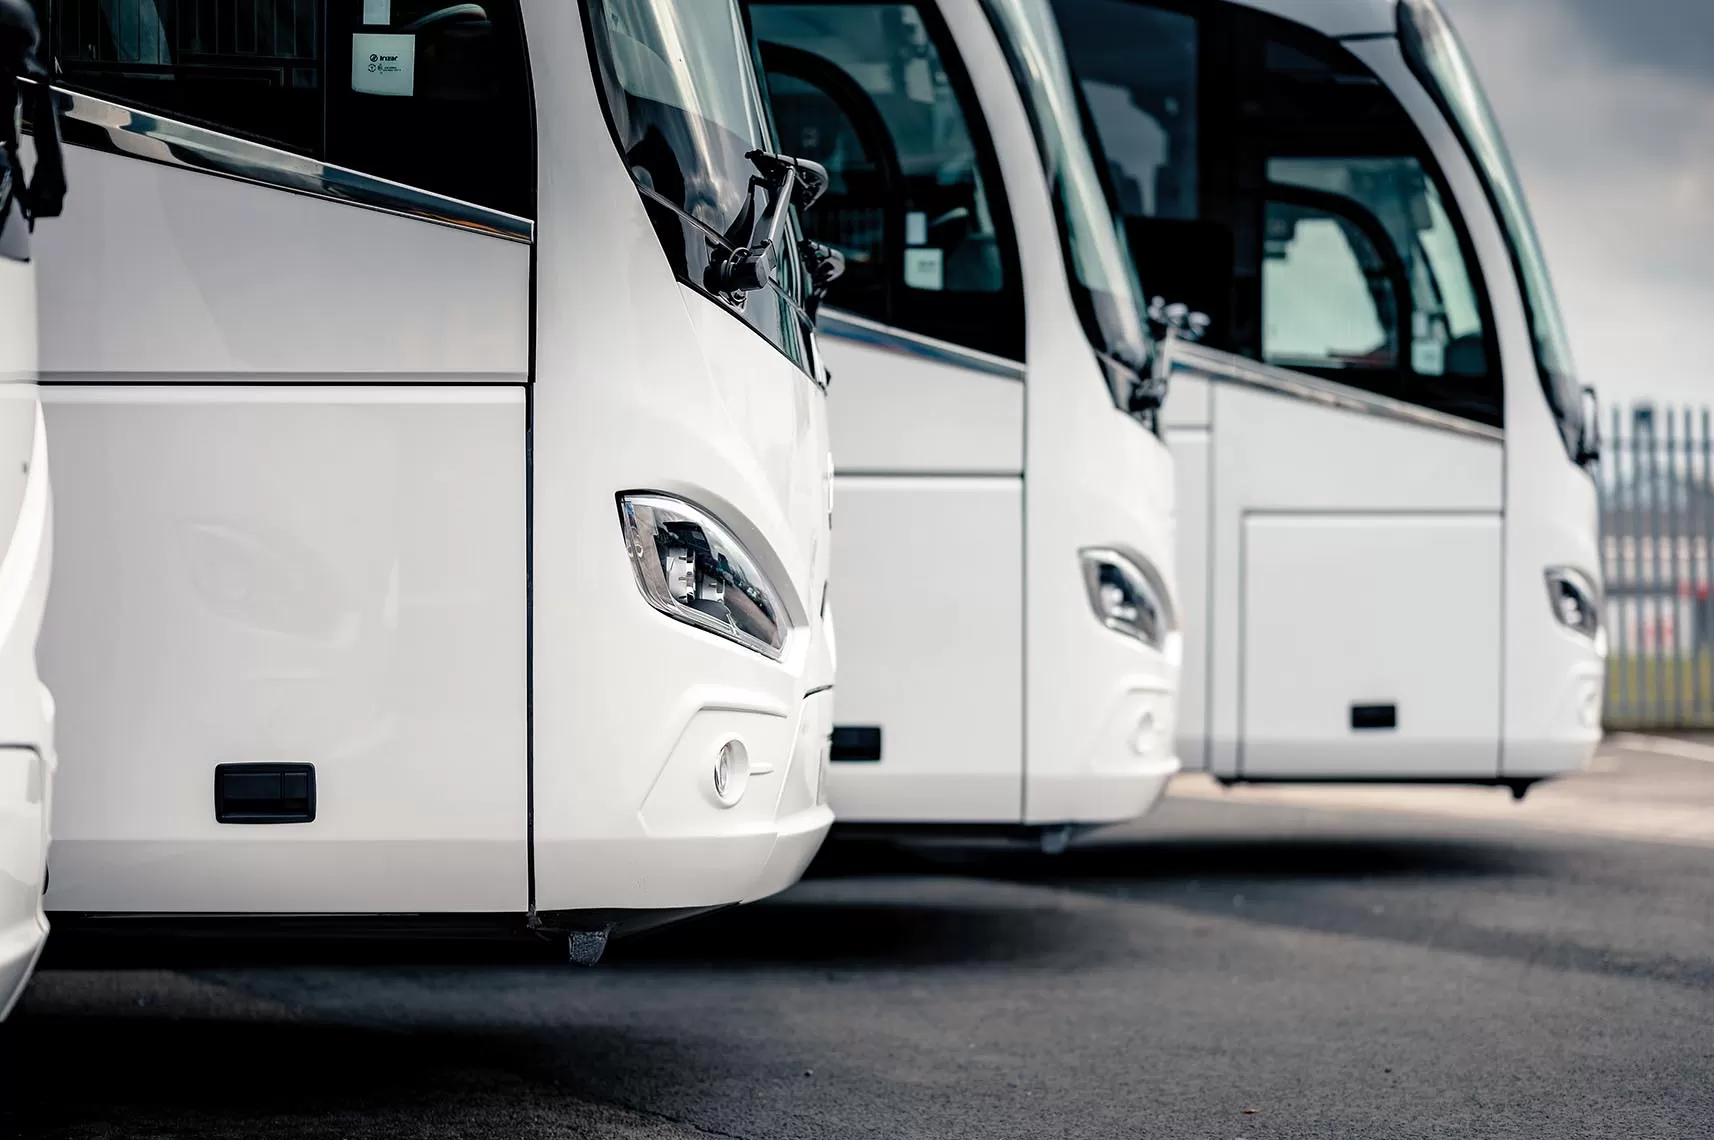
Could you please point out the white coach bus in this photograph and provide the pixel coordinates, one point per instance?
(445, 503)
(1004, 570)
(1387, 525)
(26, 509)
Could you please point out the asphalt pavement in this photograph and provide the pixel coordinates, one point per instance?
(1255, 964)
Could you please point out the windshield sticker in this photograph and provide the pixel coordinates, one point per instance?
(916, 228)
(925, 269)
(378, 12)
(383, 64)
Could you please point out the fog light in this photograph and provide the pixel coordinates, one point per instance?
(1143, 740)
(1589, 704)
(731, 773)
(822, 769)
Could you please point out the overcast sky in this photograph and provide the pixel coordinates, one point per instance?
(1609, 109)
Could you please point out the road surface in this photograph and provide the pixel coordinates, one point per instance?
(1266, 964)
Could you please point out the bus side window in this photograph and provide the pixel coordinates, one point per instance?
(852, 216)
(454, 114)
(1312, 119)
(1140, 69)
(1446, 328)
(1327, 299)
(913, 202)
(375, 85)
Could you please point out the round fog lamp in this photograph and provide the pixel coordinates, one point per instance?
(1143, 740)
(1589, 704)
(731, 772)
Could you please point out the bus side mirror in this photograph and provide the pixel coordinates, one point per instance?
(1589, 431)
(826, 265)
(20, 35)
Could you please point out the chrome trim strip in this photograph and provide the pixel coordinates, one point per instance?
(252, 393)
(1224, 367)
(93, 122)
(849, 326)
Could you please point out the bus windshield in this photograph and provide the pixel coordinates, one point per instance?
(684, 101)
(1099, 261)
(1439, 59)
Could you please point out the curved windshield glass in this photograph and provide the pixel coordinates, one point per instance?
(1100, 262)
(1438, 57)
(684, 100)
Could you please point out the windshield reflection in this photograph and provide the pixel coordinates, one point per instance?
(1099, 259)
(683, 97)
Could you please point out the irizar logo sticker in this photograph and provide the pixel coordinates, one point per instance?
(383, 63)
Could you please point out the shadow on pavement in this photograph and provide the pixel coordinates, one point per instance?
(1289, 858)
(808, 929)
(872, 903)
(152, 1075)
(1177, 858)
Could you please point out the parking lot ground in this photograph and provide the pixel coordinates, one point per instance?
(1259, 964)
(1644, 787)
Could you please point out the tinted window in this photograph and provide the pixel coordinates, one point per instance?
(1311, 117)
(1327, 298)
(373, 85)
(1138, 69)
(1209, 120)
(864, 90)
(1141, 71)
(1446, 322)
(852, 216)
(1151, 124)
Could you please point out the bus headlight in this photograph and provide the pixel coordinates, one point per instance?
(691, 568)
(1575, 600)
(1128, 596)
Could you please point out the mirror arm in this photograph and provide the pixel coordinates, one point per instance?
(1589, 445)
(826, 265)
(20, 37)
(787, 180)
(45, 195)
(753, 263)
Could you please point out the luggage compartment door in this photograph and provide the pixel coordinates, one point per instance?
(1370, 645)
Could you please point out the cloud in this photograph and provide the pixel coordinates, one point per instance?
(1675, 36)
(1611, 122)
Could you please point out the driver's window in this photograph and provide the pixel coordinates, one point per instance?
(1327, 298)
(849, 216)
(865, 90)
(379, 86)
(1446, 319)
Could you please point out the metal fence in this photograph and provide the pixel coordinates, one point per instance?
(1657, 528)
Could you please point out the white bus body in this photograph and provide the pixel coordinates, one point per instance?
(417, 462)
(26, 517)
(1004, 567)
(1387, 530)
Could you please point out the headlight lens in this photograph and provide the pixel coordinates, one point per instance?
(1575, 600)
(1128, 596)
(691, 568)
